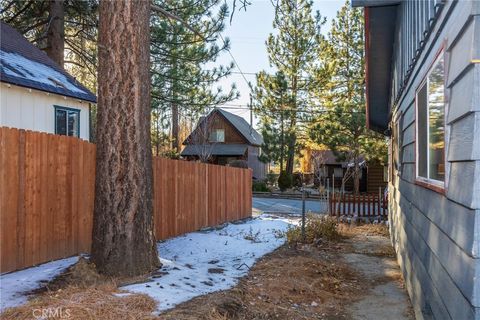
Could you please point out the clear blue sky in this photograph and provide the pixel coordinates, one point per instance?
(248, 32)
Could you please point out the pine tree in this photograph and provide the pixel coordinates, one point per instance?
(123, 239)
(292, 51)
(341, 125)
(182, 86)
(66, 30)
(272, 108)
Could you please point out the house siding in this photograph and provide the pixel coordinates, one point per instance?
(34, 110)
(437, 235)
(259, 169)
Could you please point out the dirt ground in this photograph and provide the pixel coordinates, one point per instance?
(355, 277)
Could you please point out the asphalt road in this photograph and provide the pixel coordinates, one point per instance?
(275, 205)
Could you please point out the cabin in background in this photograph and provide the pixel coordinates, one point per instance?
(423, 89)
(222, 137)
(372, 175)
(36, 93)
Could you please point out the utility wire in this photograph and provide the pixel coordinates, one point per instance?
(236, 63)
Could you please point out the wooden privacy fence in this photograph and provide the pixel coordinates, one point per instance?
(361, 205)
(47, 195)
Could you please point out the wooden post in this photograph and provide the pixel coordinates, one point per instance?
(379, 201)
(328, 196)
(303, 213)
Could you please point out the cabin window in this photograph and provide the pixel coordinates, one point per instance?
(67, 121)
(338, 172)
(430, 100)
(217, 135)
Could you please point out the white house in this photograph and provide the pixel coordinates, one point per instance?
(37, 94)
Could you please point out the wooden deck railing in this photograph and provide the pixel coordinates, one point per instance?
(360, 205)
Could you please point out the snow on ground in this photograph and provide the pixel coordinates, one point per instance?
(14, 286)
(193, 264)
(202, 262)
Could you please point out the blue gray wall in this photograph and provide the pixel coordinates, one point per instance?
(437, 235)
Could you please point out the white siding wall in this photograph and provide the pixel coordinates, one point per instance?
(34, 110)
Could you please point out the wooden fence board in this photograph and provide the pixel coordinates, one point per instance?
(47, 193)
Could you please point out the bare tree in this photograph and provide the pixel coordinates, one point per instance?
(201, 139)
(320, 169)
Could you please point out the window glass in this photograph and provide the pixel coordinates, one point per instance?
(220, 135)
(61, 122)
(431, 125)
(422, 131)
(73, 124)
(217, 135)
(436, 122)
(67, 122)
(338, 172)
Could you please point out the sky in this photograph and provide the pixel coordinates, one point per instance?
(247, 33)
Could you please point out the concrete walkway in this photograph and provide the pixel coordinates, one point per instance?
(288, 206)
(388, 298)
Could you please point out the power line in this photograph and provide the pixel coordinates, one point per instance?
(236, 63)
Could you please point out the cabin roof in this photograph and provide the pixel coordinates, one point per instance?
(252, 136)
(240, 124)
(219, 149)
(25, 65)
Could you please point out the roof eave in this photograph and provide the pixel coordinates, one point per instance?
(379, 38)
(88, 98)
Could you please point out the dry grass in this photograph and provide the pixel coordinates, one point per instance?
(367, 229)
(86, 303)
(81, 293)
(316, 228)
(302, 283)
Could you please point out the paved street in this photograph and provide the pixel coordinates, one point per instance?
(272, 205)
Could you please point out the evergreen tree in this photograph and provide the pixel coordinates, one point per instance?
(65, 29)
(123, 239)
(181, 83)
(292, 51)
(272, 108)
(341, 124)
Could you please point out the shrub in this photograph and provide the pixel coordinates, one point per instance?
(284, 181)
(238, 164)
(259, 186)
(297, 179)
(271, 178)
(315, 228)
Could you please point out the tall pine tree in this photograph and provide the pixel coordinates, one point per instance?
(182, 86)
(292, 51)
(341, 124)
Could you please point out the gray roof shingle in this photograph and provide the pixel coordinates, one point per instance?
(23, 64)
(215, 149)
(254, 138)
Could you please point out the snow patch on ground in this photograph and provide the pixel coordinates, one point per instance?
(203, 262)
(14, 286)
(193, 264)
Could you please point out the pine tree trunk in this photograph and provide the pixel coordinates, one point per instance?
(123, 233)
(175, 130)
(56, 32)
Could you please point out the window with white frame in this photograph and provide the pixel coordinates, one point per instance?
(217, 135)
(67, 121)
(430, 100)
